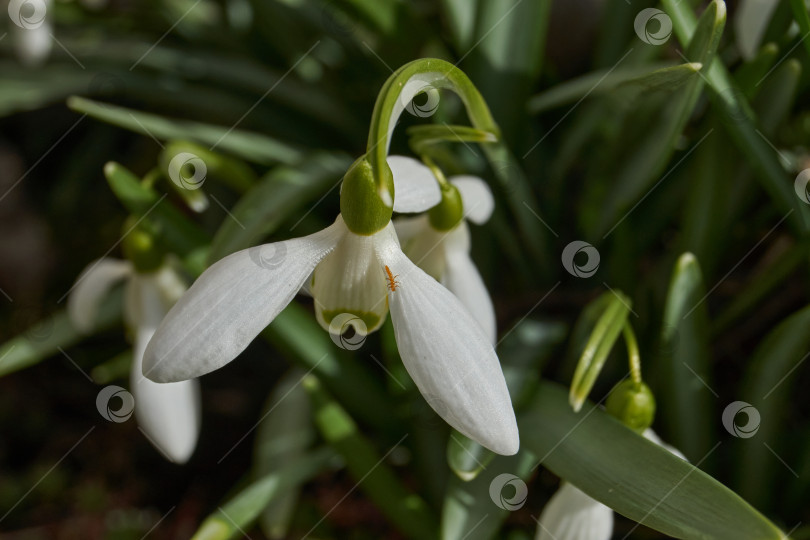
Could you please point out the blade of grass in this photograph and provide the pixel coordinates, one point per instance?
(251, 147)
(240, 512)
(406, 510)
(686, 397)
(730, 104)
(632, 475)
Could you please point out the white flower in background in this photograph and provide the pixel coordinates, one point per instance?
(573, 515)
(169, 414)
(750, 23)
(31, 30)
(445, 254)
(364, 275)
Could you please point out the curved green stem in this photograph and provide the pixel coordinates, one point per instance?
(413, 78)
(634, 358)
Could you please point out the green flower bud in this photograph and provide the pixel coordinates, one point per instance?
(633, 403)
(366, 209)
(140, 247)
(446, 215)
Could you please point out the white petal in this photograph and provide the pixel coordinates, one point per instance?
(573, 515)
(461, 277)
(423, 244)
(231, 303)
(350, 285)
(750, 24)
(651, 435)
(169, 414)
(415, 187)
(476, 198)
(408, 228)
(450, 359)
(91, 287)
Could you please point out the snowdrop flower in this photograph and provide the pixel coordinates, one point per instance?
(356, 273)
(169, 414)
(439, 241)
(573, 515)
(32, 30)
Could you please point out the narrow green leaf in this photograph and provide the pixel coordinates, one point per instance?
(660, 76)
(251, 147)
(597, 349)
(406, 510)
(27, 89)
(285, 432)
(295, 331)
(686, 397)
(654, 148)
(708, 208)
(777, 95)
(115, 369)
(460, 15)
(749, 74)
(768, 387)
(513, 183)
(44, 338)
(239, 513)
(730, 103)
(634, 476)
(279, 194)
(510, 40)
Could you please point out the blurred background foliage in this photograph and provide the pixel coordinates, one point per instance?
(646, 151)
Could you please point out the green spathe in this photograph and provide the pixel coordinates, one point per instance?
(366, 209)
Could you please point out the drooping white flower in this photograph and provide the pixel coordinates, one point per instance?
(169, 414)
(443, 348)
(570, 514)
(32, 30)
(445, 254)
